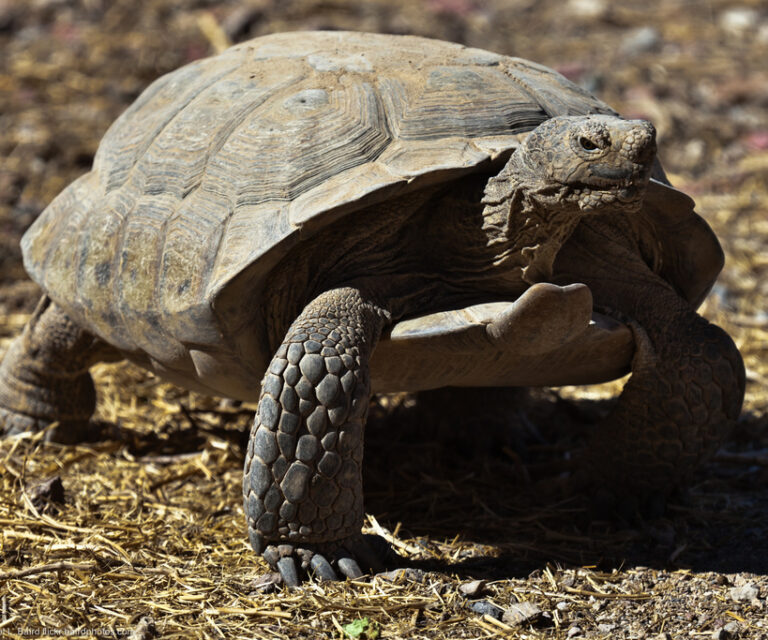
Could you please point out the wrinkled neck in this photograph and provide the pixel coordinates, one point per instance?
(527, 221)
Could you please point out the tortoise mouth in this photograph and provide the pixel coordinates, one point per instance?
(624, 192)
(613, 174)
(623, 184)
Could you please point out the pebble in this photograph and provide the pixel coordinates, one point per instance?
(641, 40)
(744, 593)
(521, 613)
(573, 632)
(486, 608)
(408, 574)
(739, 20)
(472, 589)
(728, 632)
(591, 9)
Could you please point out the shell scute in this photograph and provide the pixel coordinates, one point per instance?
(221, 167)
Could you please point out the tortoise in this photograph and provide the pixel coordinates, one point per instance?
(310, 217)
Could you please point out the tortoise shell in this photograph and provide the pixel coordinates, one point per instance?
(223, 166)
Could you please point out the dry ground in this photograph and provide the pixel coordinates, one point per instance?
(150, 524)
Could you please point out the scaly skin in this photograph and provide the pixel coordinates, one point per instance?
(44, 376)
(687, 382)
(302, 484)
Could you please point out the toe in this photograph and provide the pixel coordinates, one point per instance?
(348, 565)
(289, 571)
(321, 568)
(350, 558)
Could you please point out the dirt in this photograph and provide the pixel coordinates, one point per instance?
(150, 523)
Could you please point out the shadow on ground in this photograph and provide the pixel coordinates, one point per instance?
(499, 480)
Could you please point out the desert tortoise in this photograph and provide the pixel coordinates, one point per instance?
(256, 222)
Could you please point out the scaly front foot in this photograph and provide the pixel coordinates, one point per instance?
(351, 557)
(302, 485)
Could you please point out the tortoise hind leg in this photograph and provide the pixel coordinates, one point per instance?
(44, 376)
(302, 486)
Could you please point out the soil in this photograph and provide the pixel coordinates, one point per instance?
(144, 533)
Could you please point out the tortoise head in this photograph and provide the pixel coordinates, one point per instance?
(591, 161)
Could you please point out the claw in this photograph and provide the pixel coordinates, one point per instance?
(348, 565)
(322, 568)
(353, 557)
(257, 540)
(287, 568)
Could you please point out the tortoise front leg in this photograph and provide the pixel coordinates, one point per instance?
(687, 383)
(683, 399)
(302, 485)
(44, 376)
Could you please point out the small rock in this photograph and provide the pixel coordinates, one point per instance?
(484, 607)
(472, 589)
(728, 632)
(641, 40)
(574, 632)
(562, 606)
(738, 20)
(568, 579)
(407, 574)
(694, 151)
(521, 613)
(744, 593)
(590, 9)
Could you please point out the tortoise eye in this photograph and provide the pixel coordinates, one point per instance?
(587, 144)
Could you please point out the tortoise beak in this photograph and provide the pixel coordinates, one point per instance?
(612, 173)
